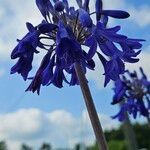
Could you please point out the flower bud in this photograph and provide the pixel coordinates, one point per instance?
(59, 6)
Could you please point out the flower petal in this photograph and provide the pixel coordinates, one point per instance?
(79, 2)
(30, 27)
(114, 29)
(86, 5)
(66, 5)
(45, 7)
(92, 43)
(47, 27)
(98, 8)
(48, 72)
(116, 13)
(84, 18)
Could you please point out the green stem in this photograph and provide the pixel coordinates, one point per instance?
(91, 108)
(148, 120)
(129, 134)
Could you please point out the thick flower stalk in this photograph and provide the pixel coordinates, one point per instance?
(134, 93)
(71, 39)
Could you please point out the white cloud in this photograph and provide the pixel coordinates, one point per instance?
(140, 15)
(59, 127)
(5, 49)
(1, 13)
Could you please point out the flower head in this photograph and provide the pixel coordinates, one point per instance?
(134, 93)
(72, 36)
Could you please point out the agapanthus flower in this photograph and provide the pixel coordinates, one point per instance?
(69, 35)
(134, 94)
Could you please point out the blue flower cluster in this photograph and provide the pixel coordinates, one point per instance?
(73, 37)
(134, 94)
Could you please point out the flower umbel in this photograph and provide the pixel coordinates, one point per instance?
(73, 37)
(134, 93)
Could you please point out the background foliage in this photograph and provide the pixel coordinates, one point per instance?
(115, 139)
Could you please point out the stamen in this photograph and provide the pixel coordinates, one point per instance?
(64, 17)
(76, 22)
(80, 32)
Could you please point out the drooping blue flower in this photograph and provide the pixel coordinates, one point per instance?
(69, 35)
(134, 95)
(25, 51)
(68, 48)
(27, 44)
(38, 79)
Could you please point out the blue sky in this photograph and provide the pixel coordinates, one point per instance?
(67, 101)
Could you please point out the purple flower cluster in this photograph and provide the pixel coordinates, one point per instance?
(73, 37)
(134, 94)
